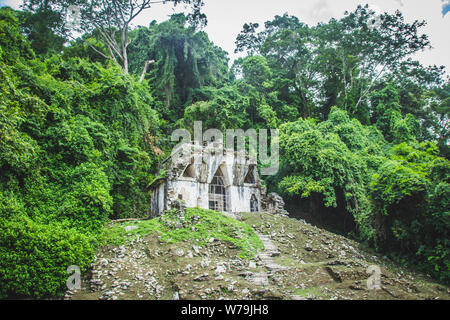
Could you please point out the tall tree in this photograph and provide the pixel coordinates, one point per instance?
(337, 63)
(41, 30)
(286, 43)
(361, 55)
(112, 19)
(185, 60)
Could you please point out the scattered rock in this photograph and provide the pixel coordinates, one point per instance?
(220, 269)
(202, 277)
(196, 250)
(316, 259)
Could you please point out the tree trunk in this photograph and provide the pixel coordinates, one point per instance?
(125, 59)
(144, 70)
(124, 49)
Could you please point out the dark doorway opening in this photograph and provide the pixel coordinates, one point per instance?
(254, 204)
(218, 199)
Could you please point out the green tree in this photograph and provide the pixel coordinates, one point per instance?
(340, 62)
(223, 108)
(330, 164)
(41, 29)
(185, 60)
(111, 19)
(411, 214)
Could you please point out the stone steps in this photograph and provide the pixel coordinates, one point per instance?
(270, 251)
(266, 257)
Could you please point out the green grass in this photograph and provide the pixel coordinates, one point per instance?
(211, 224)
(313, 291)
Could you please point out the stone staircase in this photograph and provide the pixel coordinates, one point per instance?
(266, 257)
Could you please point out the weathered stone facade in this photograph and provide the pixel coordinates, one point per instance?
(210, 177)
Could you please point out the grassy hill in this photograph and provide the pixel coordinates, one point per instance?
(207, 255)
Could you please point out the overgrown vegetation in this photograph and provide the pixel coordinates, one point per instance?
(364, 132)
(199, 225)
(397, 194)
(75, 150)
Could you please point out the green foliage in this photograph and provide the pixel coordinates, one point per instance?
(345, 63)
(40, 29)
(76, 148)
(223, 108)
(34, 257)
(412, 212)
(256, 70)
(389, 119)
(87, 203)
(12, 43)
(184, 60)
(330, 158)
(397, 194)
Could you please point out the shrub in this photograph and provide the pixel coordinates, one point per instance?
(34, 257)
(411, 216)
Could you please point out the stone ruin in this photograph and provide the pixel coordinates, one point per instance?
(210, 177)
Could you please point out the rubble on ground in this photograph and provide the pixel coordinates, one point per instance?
(300, 262)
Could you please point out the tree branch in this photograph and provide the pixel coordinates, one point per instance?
(144, 70)
(93, 48)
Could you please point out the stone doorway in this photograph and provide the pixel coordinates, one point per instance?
(254, 204)
(218, 197)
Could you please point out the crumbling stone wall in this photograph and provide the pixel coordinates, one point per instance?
(239, 173)
(274, 203)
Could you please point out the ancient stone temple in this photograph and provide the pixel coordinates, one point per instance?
(210, 177)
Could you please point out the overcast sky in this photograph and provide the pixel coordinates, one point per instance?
(226, 18)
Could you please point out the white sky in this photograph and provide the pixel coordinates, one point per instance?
(226, 18)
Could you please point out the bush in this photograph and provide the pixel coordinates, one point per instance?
(34, 257)
(87, 203)
(411, 217)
